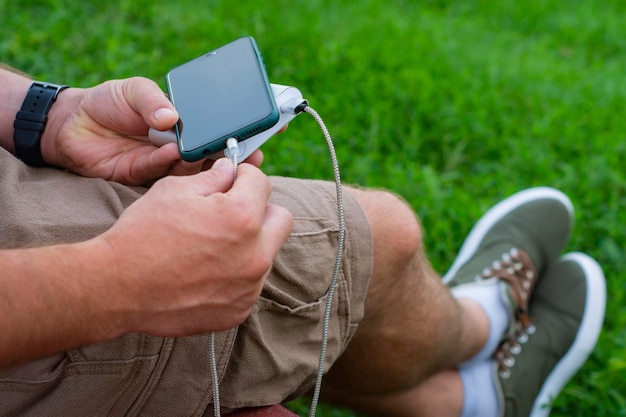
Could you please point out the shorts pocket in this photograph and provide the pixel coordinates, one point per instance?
(276, 353)
(74, 384)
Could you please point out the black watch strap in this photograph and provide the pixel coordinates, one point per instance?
(31, 120)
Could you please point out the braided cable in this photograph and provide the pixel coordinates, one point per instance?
(338, 259)
(233, 156)
(331, 288)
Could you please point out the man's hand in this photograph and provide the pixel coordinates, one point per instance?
(102, 132)
(193, 253)
(190, 256)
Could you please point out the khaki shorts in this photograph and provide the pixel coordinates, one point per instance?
(271, 357)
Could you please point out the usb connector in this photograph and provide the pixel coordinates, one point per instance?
(294, 106)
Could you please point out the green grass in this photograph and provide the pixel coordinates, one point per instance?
(453, 104)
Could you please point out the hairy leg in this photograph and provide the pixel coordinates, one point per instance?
(413, 328)
(440, 395)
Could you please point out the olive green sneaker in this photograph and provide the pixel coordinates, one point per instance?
(536, 221)
(567, 310)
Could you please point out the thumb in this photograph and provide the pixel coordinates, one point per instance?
(147, 99)
(218, 179)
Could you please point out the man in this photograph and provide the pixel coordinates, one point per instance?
(109, 290)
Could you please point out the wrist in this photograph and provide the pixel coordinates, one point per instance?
(66, 103)
(104, 289)
(12, 96)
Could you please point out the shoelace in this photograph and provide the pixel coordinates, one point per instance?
(517, 270)
(511, 347)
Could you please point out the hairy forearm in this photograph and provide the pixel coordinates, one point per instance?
(11, 69)
(54, 298)
(14, 88)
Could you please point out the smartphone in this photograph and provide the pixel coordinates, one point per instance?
(222, 94)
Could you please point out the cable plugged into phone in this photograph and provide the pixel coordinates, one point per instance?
(232, 149)
(290, 102)
(232, 152)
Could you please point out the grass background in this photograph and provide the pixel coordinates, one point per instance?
(453, 104)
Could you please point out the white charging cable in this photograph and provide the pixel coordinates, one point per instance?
(232, 152)
(338, 258)
(214, 376)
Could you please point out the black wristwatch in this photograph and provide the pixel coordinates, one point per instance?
(31, 120)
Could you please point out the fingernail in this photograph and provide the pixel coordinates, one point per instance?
(222, 163)
(163, 113)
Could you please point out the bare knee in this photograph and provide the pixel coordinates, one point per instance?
(395, 228)
(402, 287)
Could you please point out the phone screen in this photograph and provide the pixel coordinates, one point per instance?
(221, 94)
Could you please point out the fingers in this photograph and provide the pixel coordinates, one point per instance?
(278, 224)
(218, 179)
(251, 181)
(252, 184)
(252, 191)
(183, 168)
(158, 162)
(256, 158)
(146, 98)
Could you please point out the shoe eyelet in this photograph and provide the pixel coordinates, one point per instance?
(531, 329)
(509, 361)
(516, 349)
(522, 338)
(505, 373)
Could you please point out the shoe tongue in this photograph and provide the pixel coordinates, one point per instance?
(516, 307)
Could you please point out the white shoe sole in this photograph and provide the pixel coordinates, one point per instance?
(586, 337)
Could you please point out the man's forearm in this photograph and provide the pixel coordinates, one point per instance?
(52, 299)
(11, 69)
(12, 94)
